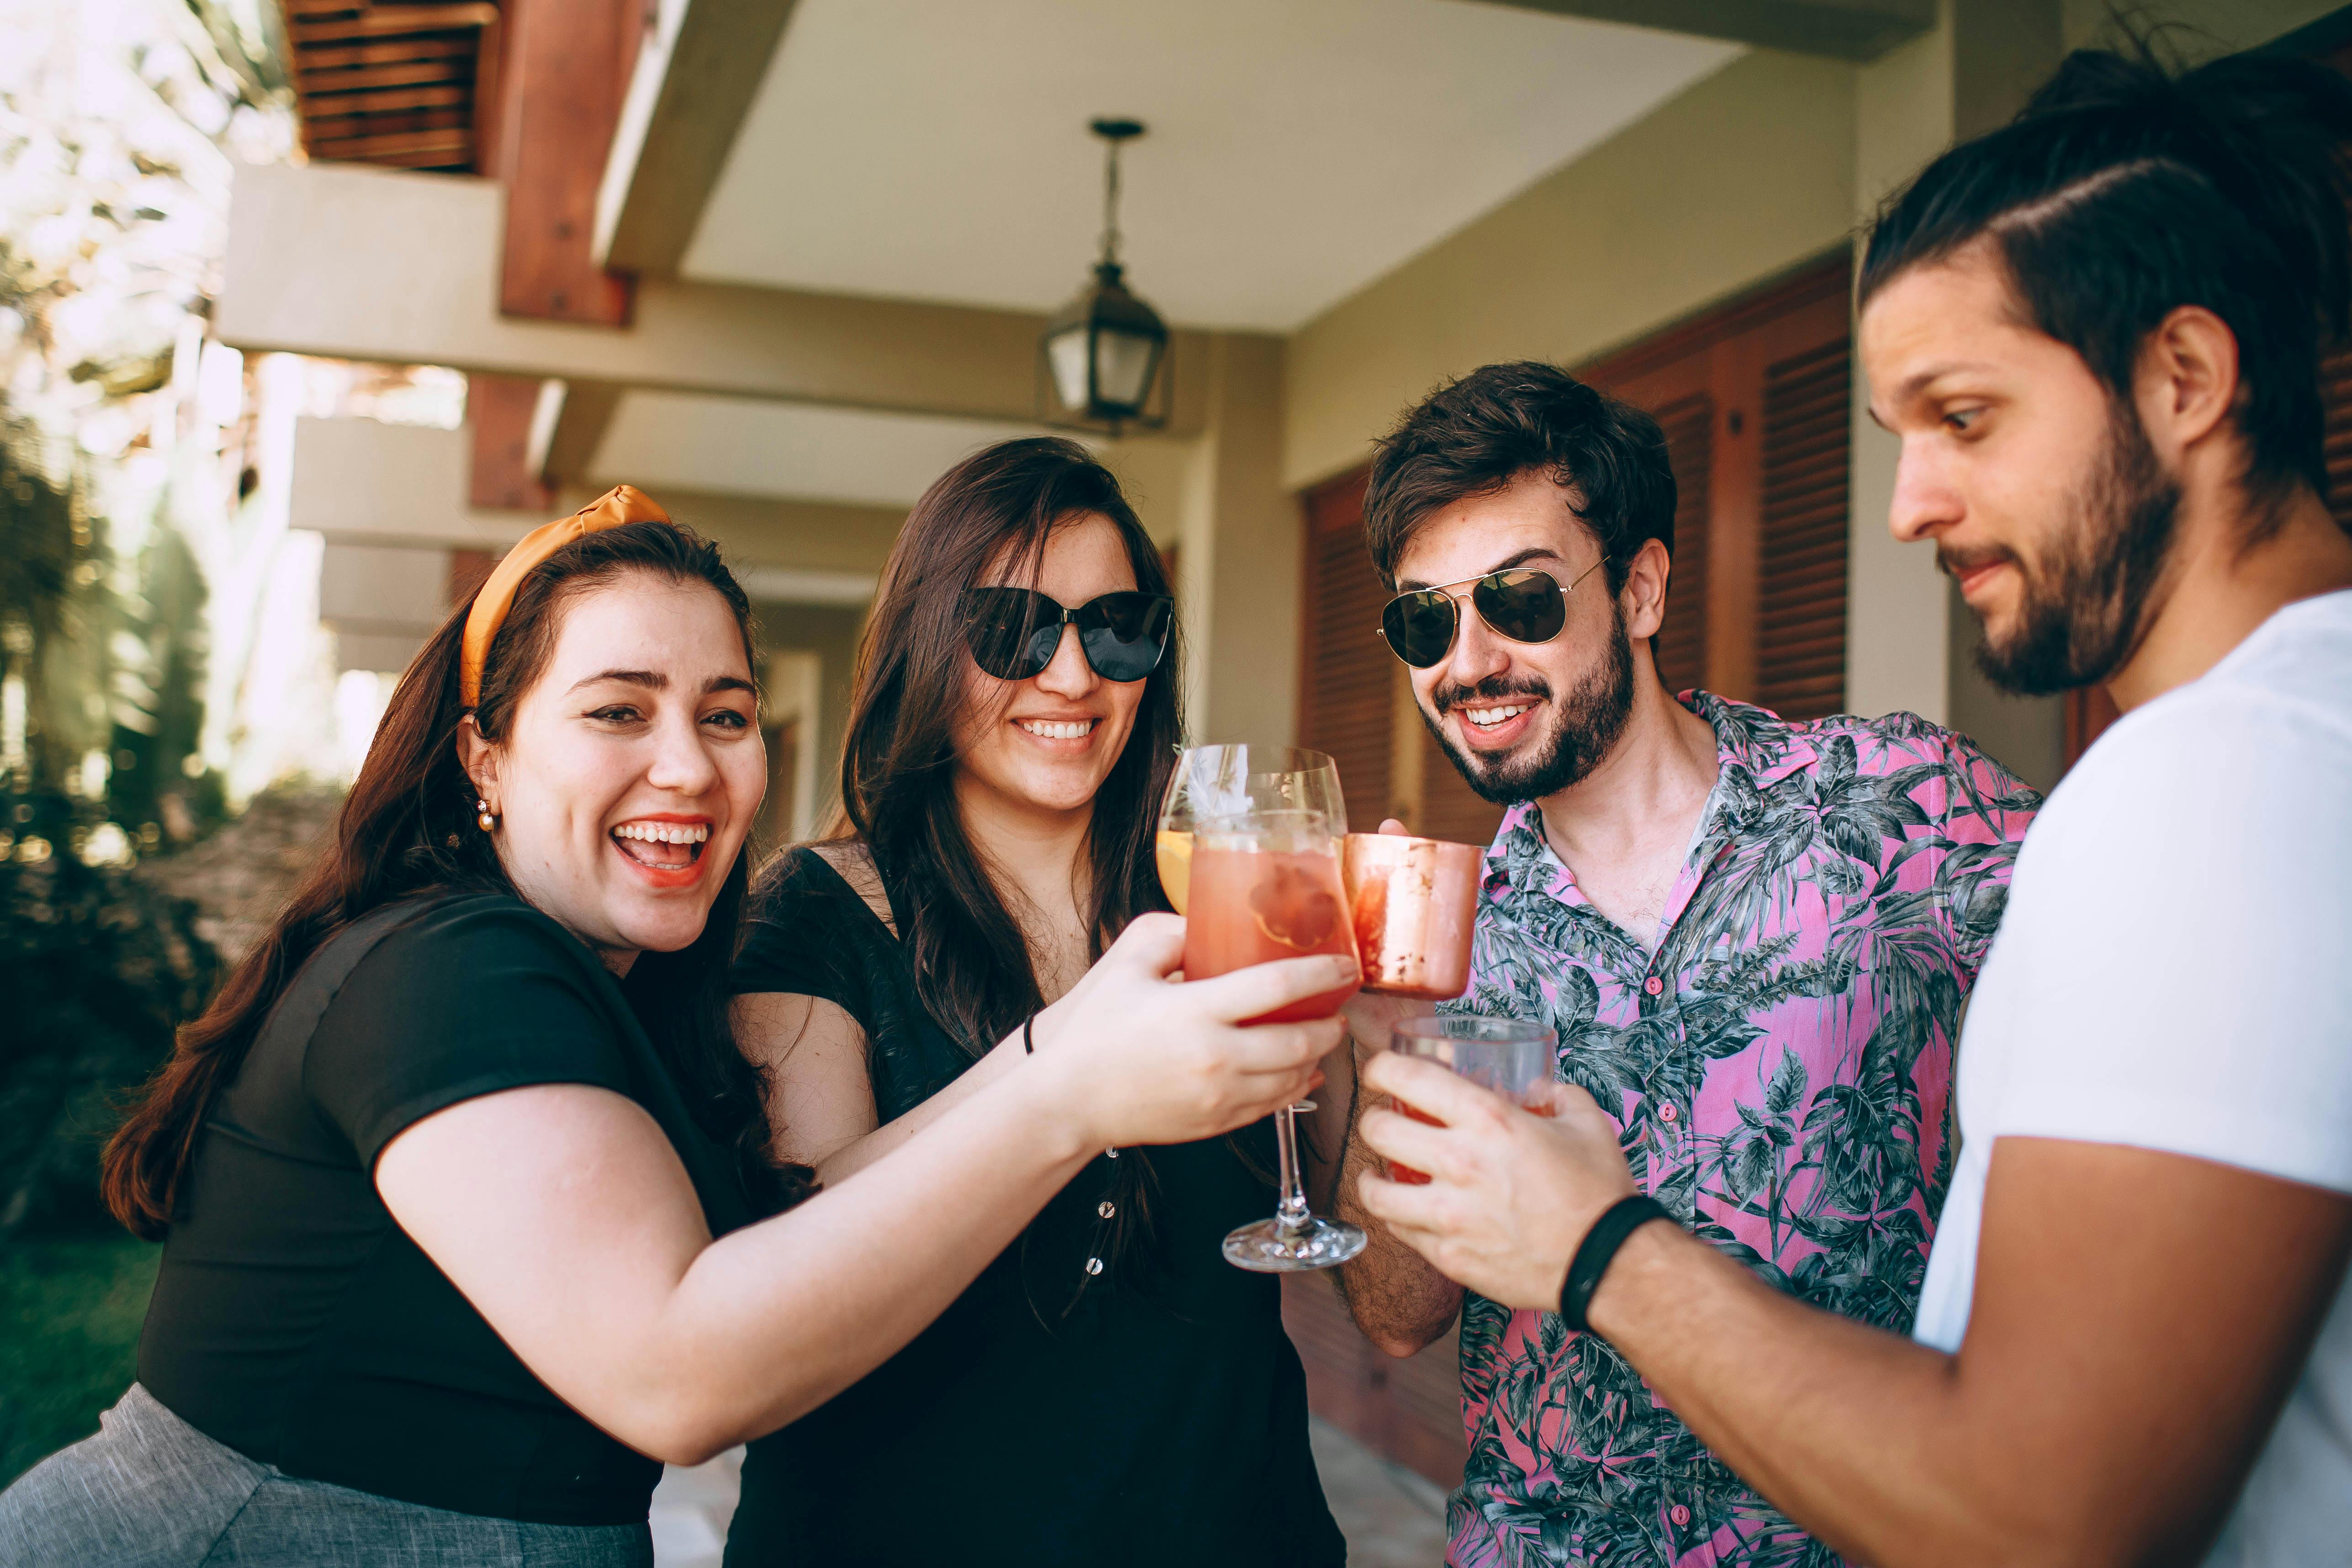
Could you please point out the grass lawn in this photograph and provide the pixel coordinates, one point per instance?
(69, 1317)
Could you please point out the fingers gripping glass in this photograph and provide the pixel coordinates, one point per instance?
(1012, 632)
(1525, 605)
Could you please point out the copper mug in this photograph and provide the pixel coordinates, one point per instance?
(1413, 901)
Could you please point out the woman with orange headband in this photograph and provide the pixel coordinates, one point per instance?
(438, 1174)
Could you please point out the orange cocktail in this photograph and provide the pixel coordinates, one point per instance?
(1259, 895)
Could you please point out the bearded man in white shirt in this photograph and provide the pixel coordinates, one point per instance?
(2097, 332)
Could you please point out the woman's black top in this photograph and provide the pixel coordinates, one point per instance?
(293, 1319)
(1162, 1419)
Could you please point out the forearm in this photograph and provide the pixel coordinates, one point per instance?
(1397, 1299)
(1864, 1437)
(771, 1320)
(838, 1164)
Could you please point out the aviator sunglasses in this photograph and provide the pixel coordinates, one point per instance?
(1524, 604)
(1012, 632)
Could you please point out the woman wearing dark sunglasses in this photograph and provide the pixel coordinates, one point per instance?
(1110, 1389)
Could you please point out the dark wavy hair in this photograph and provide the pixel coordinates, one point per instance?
(406, 830)
(1476, 436)
(913, 687)
(2125, 190)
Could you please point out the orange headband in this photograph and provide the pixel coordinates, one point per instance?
(621, 503)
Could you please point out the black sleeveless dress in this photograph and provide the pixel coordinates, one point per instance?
(1151, 1412)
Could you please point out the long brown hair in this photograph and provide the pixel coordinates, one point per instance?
(407, 829)
(973, 969)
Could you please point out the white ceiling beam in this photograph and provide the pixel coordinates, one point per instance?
(1841, 29)
(352, 262)
(695, 79)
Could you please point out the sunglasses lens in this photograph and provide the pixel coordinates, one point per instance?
(1007, 631)
(1124, 634)
(1524, 606)
(1419, 626)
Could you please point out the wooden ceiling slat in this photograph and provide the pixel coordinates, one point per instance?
(333, 105)
(454, 47)
(300, 8)
(457, 141)
(416, 72)
(376, 23)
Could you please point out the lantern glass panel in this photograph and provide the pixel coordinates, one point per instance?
(1065, 353)
(1123, 366)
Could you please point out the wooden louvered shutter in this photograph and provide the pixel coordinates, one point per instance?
(1800, 567)
(1753, 399)
(1681, 643)
(1347, 677)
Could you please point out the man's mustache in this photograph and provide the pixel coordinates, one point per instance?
(1493, 689)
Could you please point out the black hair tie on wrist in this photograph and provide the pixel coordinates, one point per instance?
(1028, 1041)
(1599, 1249)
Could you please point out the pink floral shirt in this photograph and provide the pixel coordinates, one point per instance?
(1780, 1067)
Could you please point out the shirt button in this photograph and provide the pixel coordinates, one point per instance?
(1654, 985)
(1668, 1114)
(1679, 1514)
(1106, 1208)
(1110, 1153)
(1094, 1265)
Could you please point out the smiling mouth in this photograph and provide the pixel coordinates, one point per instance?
(1058, 728)
(1487, 718)
(662, 845)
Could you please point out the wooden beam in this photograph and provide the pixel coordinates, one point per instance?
(1841, 29)
(372, 24)
(568, 61)
(500, 409)
(710, 76)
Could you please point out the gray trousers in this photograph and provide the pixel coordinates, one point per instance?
(151, 1491)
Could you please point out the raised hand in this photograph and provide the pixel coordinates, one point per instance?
(1142, 1058)
(1510, 1194)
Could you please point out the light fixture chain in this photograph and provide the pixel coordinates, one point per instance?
(1110, 235)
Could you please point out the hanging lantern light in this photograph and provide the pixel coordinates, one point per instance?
(1099, 363)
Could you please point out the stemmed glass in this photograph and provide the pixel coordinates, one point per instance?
(1249, 853)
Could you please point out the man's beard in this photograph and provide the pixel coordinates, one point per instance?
(1586, 725)
(2083, 614)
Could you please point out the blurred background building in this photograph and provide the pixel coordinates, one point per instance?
(343, 296)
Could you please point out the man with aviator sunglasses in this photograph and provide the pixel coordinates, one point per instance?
(1752, 937)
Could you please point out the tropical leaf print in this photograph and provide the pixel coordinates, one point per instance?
(1785, 1093)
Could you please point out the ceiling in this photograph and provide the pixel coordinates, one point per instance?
(937, 149)
(736, 446)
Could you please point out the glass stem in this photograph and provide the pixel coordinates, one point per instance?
(1292, 1212)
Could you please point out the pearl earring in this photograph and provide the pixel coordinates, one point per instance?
(487, 821)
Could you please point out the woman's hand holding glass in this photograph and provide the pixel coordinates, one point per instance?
(1139, 1058)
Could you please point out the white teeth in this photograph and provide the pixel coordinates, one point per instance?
(1050, 730)
(1493, 715)
(663, 832)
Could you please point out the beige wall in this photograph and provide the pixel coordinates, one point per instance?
(1738, 177)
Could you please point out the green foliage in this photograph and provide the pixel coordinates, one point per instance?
(69, 1318)
(99, 968)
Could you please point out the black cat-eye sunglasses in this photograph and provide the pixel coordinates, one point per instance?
(1012, 632)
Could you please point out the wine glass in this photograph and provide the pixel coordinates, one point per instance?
(1254, 834)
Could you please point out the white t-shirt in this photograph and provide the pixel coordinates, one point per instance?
(2174, 972)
